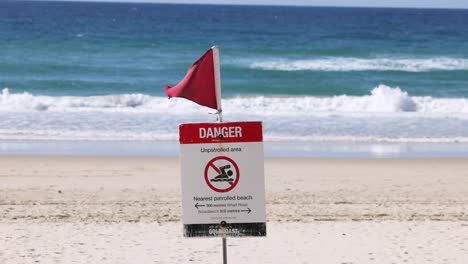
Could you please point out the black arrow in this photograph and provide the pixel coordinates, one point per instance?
(198, 205)
(248, 210)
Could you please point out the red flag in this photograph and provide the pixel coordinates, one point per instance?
(198, 84)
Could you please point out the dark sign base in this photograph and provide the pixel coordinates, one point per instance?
(229, 230)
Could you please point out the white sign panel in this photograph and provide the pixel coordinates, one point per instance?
(223, 188)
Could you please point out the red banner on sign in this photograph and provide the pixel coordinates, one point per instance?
(220, 132)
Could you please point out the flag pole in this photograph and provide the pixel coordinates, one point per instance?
(217, 78)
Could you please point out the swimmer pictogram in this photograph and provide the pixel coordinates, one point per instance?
(221, 174)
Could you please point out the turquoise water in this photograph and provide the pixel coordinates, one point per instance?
(98, 48)
(94, 71)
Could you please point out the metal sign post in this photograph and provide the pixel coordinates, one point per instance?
(224, 251)
(223, 224)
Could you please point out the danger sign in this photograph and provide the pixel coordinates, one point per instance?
(222, 179)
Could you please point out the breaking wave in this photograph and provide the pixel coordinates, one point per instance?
(343, 64)
(386, 114)
(382, 99)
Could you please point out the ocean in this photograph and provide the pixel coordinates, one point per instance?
(321, 77)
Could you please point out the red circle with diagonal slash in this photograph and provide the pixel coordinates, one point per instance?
(210, 165)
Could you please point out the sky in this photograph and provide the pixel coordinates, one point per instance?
(367, 3)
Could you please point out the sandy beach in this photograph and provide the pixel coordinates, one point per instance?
(85, 209)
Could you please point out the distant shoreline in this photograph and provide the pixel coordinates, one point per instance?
(324, 149)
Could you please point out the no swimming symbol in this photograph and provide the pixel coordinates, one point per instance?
(221, 174)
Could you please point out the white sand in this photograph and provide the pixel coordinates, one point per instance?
(127, 210)
(323, 242)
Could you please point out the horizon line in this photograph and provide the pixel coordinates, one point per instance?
(243, 4)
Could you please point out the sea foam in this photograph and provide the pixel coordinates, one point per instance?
(386, 114)
(382, 99)
(361, 64)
